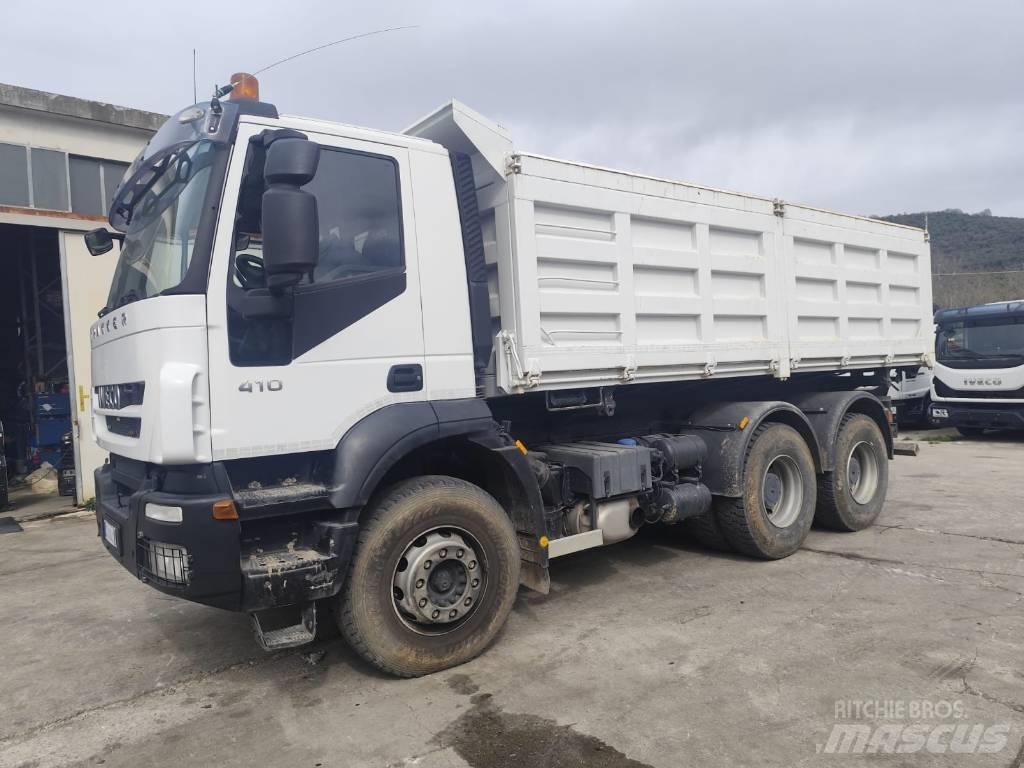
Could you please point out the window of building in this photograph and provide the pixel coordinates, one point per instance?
(13, 175)
(49, 179)
(93, 182)
(86, 186)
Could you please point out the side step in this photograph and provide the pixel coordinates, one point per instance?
(284, 635)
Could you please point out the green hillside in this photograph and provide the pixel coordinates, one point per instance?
(972, 243)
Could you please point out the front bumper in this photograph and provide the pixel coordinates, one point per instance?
(977, 415)
(264, 560)
(197, 559)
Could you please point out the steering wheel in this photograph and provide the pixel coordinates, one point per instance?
(249, 270)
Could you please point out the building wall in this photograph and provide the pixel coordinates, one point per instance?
(87, 281)
(70, 134)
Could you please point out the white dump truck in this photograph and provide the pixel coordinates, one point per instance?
(398, 373)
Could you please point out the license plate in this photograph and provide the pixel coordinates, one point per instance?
(110, 533)
(940, 413)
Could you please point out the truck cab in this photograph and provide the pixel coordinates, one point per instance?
(979, 368)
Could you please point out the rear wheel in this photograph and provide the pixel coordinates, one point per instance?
(706, 531)
(772, 518)
(433, 579)
(850, 497)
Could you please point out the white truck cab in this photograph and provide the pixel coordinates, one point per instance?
(400, 372)
(979, 368)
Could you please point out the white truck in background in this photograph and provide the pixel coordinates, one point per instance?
(401, 372)
(979, 368)
(910, 393)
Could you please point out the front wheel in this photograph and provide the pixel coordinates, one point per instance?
(433, 579)
(773, 516)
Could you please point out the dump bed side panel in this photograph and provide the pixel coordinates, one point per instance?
(619, 278)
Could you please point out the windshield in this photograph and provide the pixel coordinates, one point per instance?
(1001, 339)
(159, 211)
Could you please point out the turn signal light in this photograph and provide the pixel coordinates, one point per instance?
(225, 510)
(244, 87)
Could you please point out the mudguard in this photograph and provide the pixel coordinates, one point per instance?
(825, 412)
(719, 426)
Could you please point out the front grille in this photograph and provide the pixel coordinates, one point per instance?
(114, 397)
(126, 426)
(944, 390)
(167, 564)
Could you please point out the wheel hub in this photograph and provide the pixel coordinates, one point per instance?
(863, 472)
(438, 579)
(854, 473)
(782, 491)
(772, 489)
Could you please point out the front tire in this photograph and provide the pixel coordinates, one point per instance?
(851, 496)
(774, 515)
(435, 573)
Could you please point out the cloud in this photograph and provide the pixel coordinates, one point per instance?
(871, 106)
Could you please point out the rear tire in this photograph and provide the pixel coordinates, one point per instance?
(706, 531)
(433, 579)
(851, 497)
(772, 518)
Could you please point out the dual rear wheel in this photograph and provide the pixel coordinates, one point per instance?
(783, 496)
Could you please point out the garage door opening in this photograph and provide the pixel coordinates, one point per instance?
(35, 391)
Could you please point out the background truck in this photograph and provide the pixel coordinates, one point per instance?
(396, 374)
(910, 393)
(979, 368)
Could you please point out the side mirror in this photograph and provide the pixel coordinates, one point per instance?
(290, 224)
(99, 241)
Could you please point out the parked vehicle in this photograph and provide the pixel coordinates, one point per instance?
(910, 392)
(979, 368)
(401, 372)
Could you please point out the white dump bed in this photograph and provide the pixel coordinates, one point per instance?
(604, 277)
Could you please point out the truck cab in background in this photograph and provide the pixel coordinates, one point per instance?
(979, 368)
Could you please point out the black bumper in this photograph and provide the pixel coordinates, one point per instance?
(197, 559)
(978, 415)
(240, 565)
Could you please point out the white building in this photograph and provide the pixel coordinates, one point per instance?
(60, 161)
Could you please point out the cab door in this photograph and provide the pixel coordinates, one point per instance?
(353, 342)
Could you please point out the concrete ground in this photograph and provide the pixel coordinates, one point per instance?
(645, 654)
(26, 505)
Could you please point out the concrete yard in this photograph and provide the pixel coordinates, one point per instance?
(650, 653)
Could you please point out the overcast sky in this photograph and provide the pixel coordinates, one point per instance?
(873, 106)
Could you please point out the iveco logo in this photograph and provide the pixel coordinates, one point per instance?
(982, 382)
(110, 397)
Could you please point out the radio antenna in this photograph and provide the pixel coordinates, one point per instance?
(195, 87)
(336, 42)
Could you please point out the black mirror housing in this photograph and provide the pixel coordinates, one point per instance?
(290, 222)
(98, 241)
(291, 162)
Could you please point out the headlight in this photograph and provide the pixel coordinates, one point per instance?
(163, 514)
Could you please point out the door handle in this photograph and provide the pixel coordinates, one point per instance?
(405, 378)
